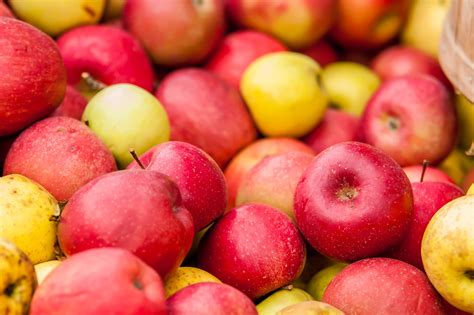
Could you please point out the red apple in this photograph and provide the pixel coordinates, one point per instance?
(61, 154)
(210, 298)
(73, 104)
(108, 54)
(137, 210)
(238, 50)
(176, 32)
(412, 119)
(321, 52)
(337, 126)
(199, 179)
(33, 75)
(5, 11)
(359, 199)
(254, 248)
(101, 281)
(432, 174)
(383, 286)
(210, 115)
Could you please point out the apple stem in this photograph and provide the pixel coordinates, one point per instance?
(92, 82)
(55, 218)
(425, 166)
(135, 157)
(288, 287)
(470, 152)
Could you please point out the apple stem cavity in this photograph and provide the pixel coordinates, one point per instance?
(469, 274)
(92, 83)
(55, 218)
(135, 157)
(423, 171)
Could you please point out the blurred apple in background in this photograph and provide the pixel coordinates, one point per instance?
(186, 276)
(321, 52)
(319, 282)
(211, 114)
(45, 268)
(465, 113)
(174, 39)
(73, 104)
(281, 299)
(457, 164)
(57, 16)
(432, 174)
(33, 75)
(5, 11)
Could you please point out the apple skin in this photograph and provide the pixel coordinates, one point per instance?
(186, 276)
(199, 179)
(432, 174)
(254, 248)
(337, 126)
(210, 298)
(208, 107)
(176, 40)
(73, 104)
(5, 11)
(237, 51)
(310, 308)
(109, 54)
(358, 197)
(321, 279)
(394, 114)
(34, 77)
(468, 180)
(61, 154)
(321, 52)
(148, 218)
(101, 281)
(383, 286)
(282, 298)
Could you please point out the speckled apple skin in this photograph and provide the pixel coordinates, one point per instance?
(73, 104)
(254, 248)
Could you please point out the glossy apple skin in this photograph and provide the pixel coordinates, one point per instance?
(109, 54)
(61, 154)
(73, 104)
(383, 286)
(254, 153)
(432, 174)
(33, 75)
(428, 198)
(209, 107)
(413, 112)
(237, 51)
(101, 281)
(321, 52)
(199, 179)
(254, 248)
(210, 298)
(174, 39)
(337, 126)
(359, 199)
(137, 210)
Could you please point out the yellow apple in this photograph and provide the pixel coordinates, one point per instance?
(465, 111)
(470, 191)
(281, 299)
(43, 269)
(457, 164)
(310, 308)
(186, 276)
(282, 92)
(321, 280)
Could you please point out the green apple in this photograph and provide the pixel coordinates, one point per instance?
(125, 117)
(186, 276)
(457, 164)
(310, 308)
(281, 299)
(321, 280)
(43, 269)
(283, 94)
(447, 252)
(27, 209)
(465, 111)
(57, 16)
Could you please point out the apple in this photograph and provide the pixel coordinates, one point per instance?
(124, 117)
(210, 298)
(33, 75)
(101, 281)
(451, 310)
(337, 126)
(321, 52)
(199, 179)
(457, 164)
(382, 286)
(254, 248)
(252, 155)
(61, 154)
(5, 11)
(211, 115)
(349, 85)
(359, 199)
(73, 104)
(297, 23)
(45, 268)
(413, 112)
(186, 276)
(447, 253)
(431, 174)
(237, 51)
(273, 181)
(465, 111)
(319, 282)
(283, 95)
(5, 145)
(113, 9)
(468, 180)
(174, 39)
(281, 299)
(310, 308)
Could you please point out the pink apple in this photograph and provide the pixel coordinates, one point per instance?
(73, 104)
(101, 281)
(337, 126)
(210, 298)
(383, 286)
(412, 119)
(61, 154)
(432, 174)
(33, 75)
(238, 50)
(254, 248)
(321, 52)
(137, 210)
(108, 54)
(353, 202)
(5, 11)
(210, 115)
(176, 32)
(199, 179)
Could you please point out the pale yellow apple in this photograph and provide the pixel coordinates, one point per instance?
(447, 251)
(465, 111)
(319, 282)
(310, 308)
(26, 209)
(457, 164)
(43, 269)
(57, 16)
(281, 299)
(283, 94)
(186, 276)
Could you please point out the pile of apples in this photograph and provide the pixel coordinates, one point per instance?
(232, 157)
